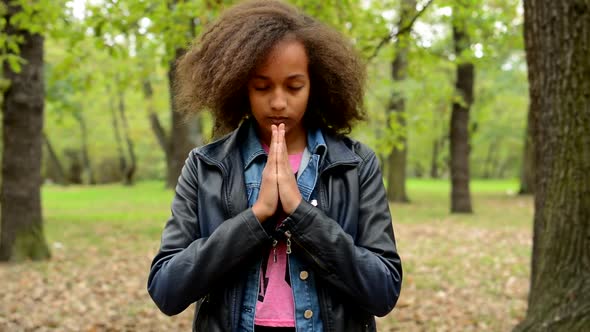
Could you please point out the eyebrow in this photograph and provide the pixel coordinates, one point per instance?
(262, 77)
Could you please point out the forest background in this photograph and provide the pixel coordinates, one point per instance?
(108, 100)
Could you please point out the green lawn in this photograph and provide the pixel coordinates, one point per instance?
(77, 214)
(461, 272)
(494, 202)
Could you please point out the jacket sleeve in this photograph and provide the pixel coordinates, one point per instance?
(368, 271)
(187, 265)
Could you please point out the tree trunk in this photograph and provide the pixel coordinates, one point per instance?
(527, 175)
(557, 40)
(438, 144)
(459, 136)
(131, 167)
(504, 166)
(397, 159)
(84, 148)
(117, 131)
(180, 142)
(491, 162)
(21, 233)
(184, 133)
(75, 168)
(157, 127)
(54, 162)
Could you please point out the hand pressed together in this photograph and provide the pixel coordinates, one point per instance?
(278, 189)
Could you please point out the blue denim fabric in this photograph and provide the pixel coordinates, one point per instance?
(304, 291)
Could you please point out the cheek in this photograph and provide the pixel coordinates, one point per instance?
(302, 102)
(255, 103)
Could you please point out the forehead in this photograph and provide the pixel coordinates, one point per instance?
(287, 56)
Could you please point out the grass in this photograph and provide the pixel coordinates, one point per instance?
(494, 203)
(85, 215)
(466, 272)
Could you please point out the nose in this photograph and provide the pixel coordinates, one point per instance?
(278, 100)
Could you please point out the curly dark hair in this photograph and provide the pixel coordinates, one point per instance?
(214, 72)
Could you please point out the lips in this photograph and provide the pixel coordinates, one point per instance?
(276, 120)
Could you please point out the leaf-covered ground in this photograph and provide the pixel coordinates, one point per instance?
(460, 274)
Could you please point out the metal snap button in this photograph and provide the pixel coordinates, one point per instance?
(308, 314)
(303, 275)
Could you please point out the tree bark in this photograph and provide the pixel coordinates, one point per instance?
(184, 134)
(527, 175)
(117, 132)
(490, 165)
(54, 160)
(459, 136)
(434, 159)
(155, 123)
(557, 40)
(86, 165)
(130, 168)
(397, 158)
(21, 233)
(435, 166)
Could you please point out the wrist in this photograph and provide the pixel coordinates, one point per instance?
(292, 206)
(259, 213)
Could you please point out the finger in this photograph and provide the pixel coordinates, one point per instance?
(283, 156)
(271, 150)
(281, 141)
(277, 148)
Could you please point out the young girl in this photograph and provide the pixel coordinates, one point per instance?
(283, 224)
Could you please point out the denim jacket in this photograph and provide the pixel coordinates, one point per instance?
(212, 240)
(307, 308)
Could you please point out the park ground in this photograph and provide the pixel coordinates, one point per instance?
(461, 272)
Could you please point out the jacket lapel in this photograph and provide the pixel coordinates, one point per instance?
(225, 155)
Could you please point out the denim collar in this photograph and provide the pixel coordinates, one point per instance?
(252, 148)
(222, 153)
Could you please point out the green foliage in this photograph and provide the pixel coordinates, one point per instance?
(495, 49)
(118, 45)
(35, 17)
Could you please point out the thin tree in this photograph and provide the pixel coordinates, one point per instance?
(57, 167)
(557, 40)
(117, 129)
(87, 166)
(459, 135)
(21, 227)
(129, 171)
(185, 132)
(397, 159)
(179, 143)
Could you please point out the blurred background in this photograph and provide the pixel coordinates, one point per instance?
(447, 105)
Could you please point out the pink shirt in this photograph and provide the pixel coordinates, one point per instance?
(275, 306)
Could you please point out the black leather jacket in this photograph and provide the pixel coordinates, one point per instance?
(212, 237)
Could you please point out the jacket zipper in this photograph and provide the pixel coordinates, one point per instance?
(288, 235)
(289, 251)
(274, 249)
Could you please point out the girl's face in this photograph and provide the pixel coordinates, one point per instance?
(279, 90)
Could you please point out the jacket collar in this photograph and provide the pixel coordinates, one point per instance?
(225, 151)
(252, 148)
(338, 153)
